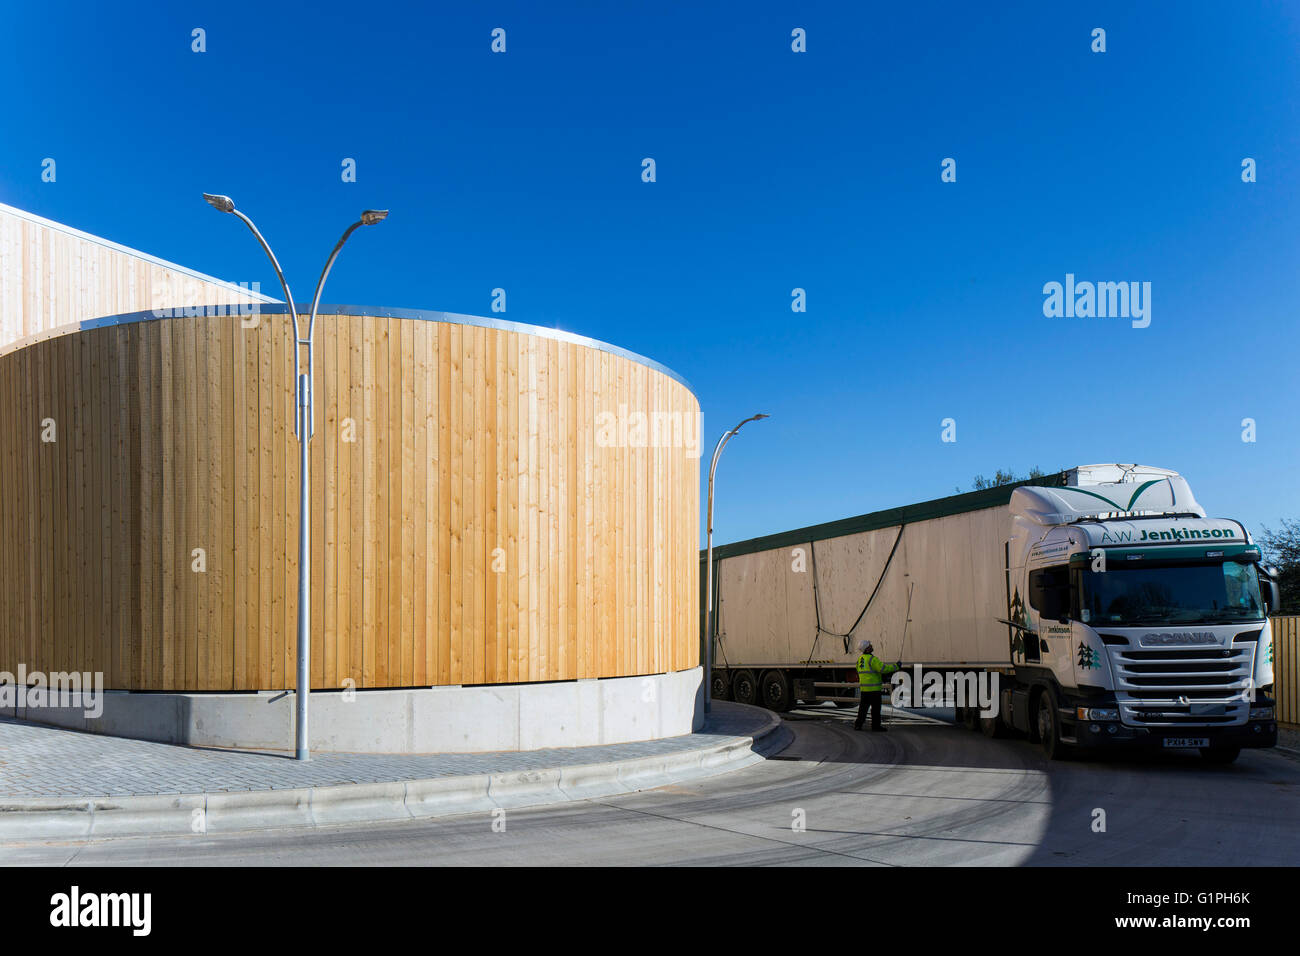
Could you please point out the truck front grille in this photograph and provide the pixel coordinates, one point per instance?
(1172, 687)
(1166, 716)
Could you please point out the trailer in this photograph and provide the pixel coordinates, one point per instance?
(1101, 602)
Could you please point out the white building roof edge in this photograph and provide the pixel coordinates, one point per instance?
(118, 247)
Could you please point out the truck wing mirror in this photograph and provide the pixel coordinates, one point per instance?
(1272, 594)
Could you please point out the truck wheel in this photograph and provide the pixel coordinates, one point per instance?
(1220, 755)
(776, 692)
(1048, 724)
(970, 717)
(744, 689)
(720, 688)
(991, 727)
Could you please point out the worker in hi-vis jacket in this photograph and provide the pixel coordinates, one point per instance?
(871, 671)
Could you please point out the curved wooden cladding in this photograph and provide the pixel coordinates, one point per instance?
(177, 434)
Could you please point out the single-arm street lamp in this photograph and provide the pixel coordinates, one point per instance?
(708, 586)
(304, 427)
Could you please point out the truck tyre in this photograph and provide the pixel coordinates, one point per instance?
(775, 690)
(991, 727)
(970, 718)
(1048, 724)
(744, 688)
(720, 688)
(1220, 755)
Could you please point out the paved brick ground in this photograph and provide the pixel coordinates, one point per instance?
(40, 761)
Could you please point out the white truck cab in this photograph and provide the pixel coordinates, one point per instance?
(1135, 619)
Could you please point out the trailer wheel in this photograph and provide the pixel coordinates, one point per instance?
(1220, 755)
(991, 727)
(744, 689)
(1048, 724)
(776, 691)
(970, 717)
(720, 687)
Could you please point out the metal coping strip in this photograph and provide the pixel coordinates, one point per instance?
(423, 315)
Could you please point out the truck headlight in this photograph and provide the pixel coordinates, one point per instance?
(1098, 713)
(1262, 713)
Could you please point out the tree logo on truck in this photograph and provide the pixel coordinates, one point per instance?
(1016, 614)
(1088, 657)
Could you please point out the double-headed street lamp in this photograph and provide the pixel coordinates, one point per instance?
(304, 427)
(708, 587)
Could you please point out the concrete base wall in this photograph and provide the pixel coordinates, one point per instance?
(420, 720)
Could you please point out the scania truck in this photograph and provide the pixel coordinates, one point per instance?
(1102, 604)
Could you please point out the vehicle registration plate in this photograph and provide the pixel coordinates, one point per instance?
(1187, 742)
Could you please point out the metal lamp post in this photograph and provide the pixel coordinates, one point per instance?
(708, 586)
(304, 427)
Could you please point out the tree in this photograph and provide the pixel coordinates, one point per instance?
(1001, 477)
(1282, 549)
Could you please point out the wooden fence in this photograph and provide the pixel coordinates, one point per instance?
(1286, 668)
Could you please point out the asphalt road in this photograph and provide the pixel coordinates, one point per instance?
(926, 793)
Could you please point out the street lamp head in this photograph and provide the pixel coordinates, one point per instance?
(220, 203)
(372, 216)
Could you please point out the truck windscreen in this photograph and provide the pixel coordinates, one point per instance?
(1219, 593)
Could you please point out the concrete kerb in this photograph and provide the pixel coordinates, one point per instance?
(359, 803)
(54, 818)
(258, 810)
(527, 788)
(160, 813)
(446, 796)
(46, 818)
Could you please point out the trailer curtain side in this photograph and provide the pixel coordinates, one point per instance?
(953, 565)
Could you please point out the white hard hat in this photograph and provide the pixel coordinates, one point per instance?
(864, 645)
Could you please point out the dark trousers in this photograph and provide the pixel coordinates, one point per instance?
(868, 701)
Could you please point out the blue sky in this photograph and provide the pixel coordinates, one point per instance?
(775, 170)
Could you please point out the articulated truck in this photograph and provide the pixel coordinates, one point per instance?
(1100, 606)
